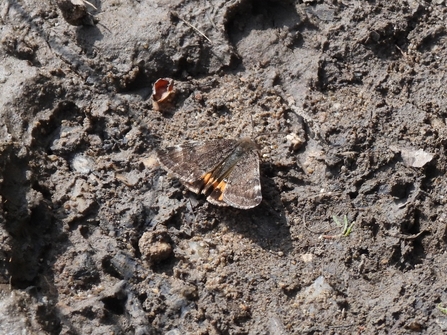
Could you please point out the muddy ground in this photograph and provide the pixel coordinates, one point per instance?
(347, 101)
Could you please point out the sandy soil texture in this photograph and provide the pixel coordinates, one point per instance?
(347, 103)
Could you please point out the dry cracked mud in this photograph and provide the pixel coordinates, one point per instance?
(347, 102)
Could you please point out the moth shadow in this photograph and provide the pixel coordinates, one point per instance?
(266, 224)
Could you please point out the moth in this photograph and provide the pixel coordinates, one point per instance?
(225, 170)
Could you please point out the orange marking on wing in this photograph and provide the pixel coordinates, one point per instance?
(209, 183)
(221, 187)
(206, 177)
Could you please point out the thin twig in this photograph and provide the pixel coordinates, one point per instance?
(191, 26)
(407, 237)
(89, 3)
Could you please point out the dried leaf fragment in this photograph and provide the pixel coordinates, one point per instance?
(162, 93)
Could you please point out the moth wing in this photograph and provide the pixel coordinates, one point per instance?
(242, 189)
(191, 161)
(216, 197)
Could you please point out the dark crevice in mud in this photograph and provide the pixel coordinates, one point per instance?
(414, 228)
(401, 189)
(431, 172)
(116, 305)
(410, 251)
(168, 267)
(48, 318)
(176, 221)
(109, 268)
(262, 15)
(353, 194)
(374, 227)
(417, 254)
(121, 265)
(98, 126)
(28, 219)
(137, 81)
(42, 188)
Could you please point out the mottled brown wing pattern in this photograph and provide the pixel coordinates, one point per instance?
(242, 188)
(227, 171)
(191, 161)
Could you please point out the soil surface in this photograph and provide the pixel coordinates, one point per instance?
(347, 102)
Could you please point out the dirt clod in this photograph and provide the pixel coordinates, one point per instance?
(152, 250)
